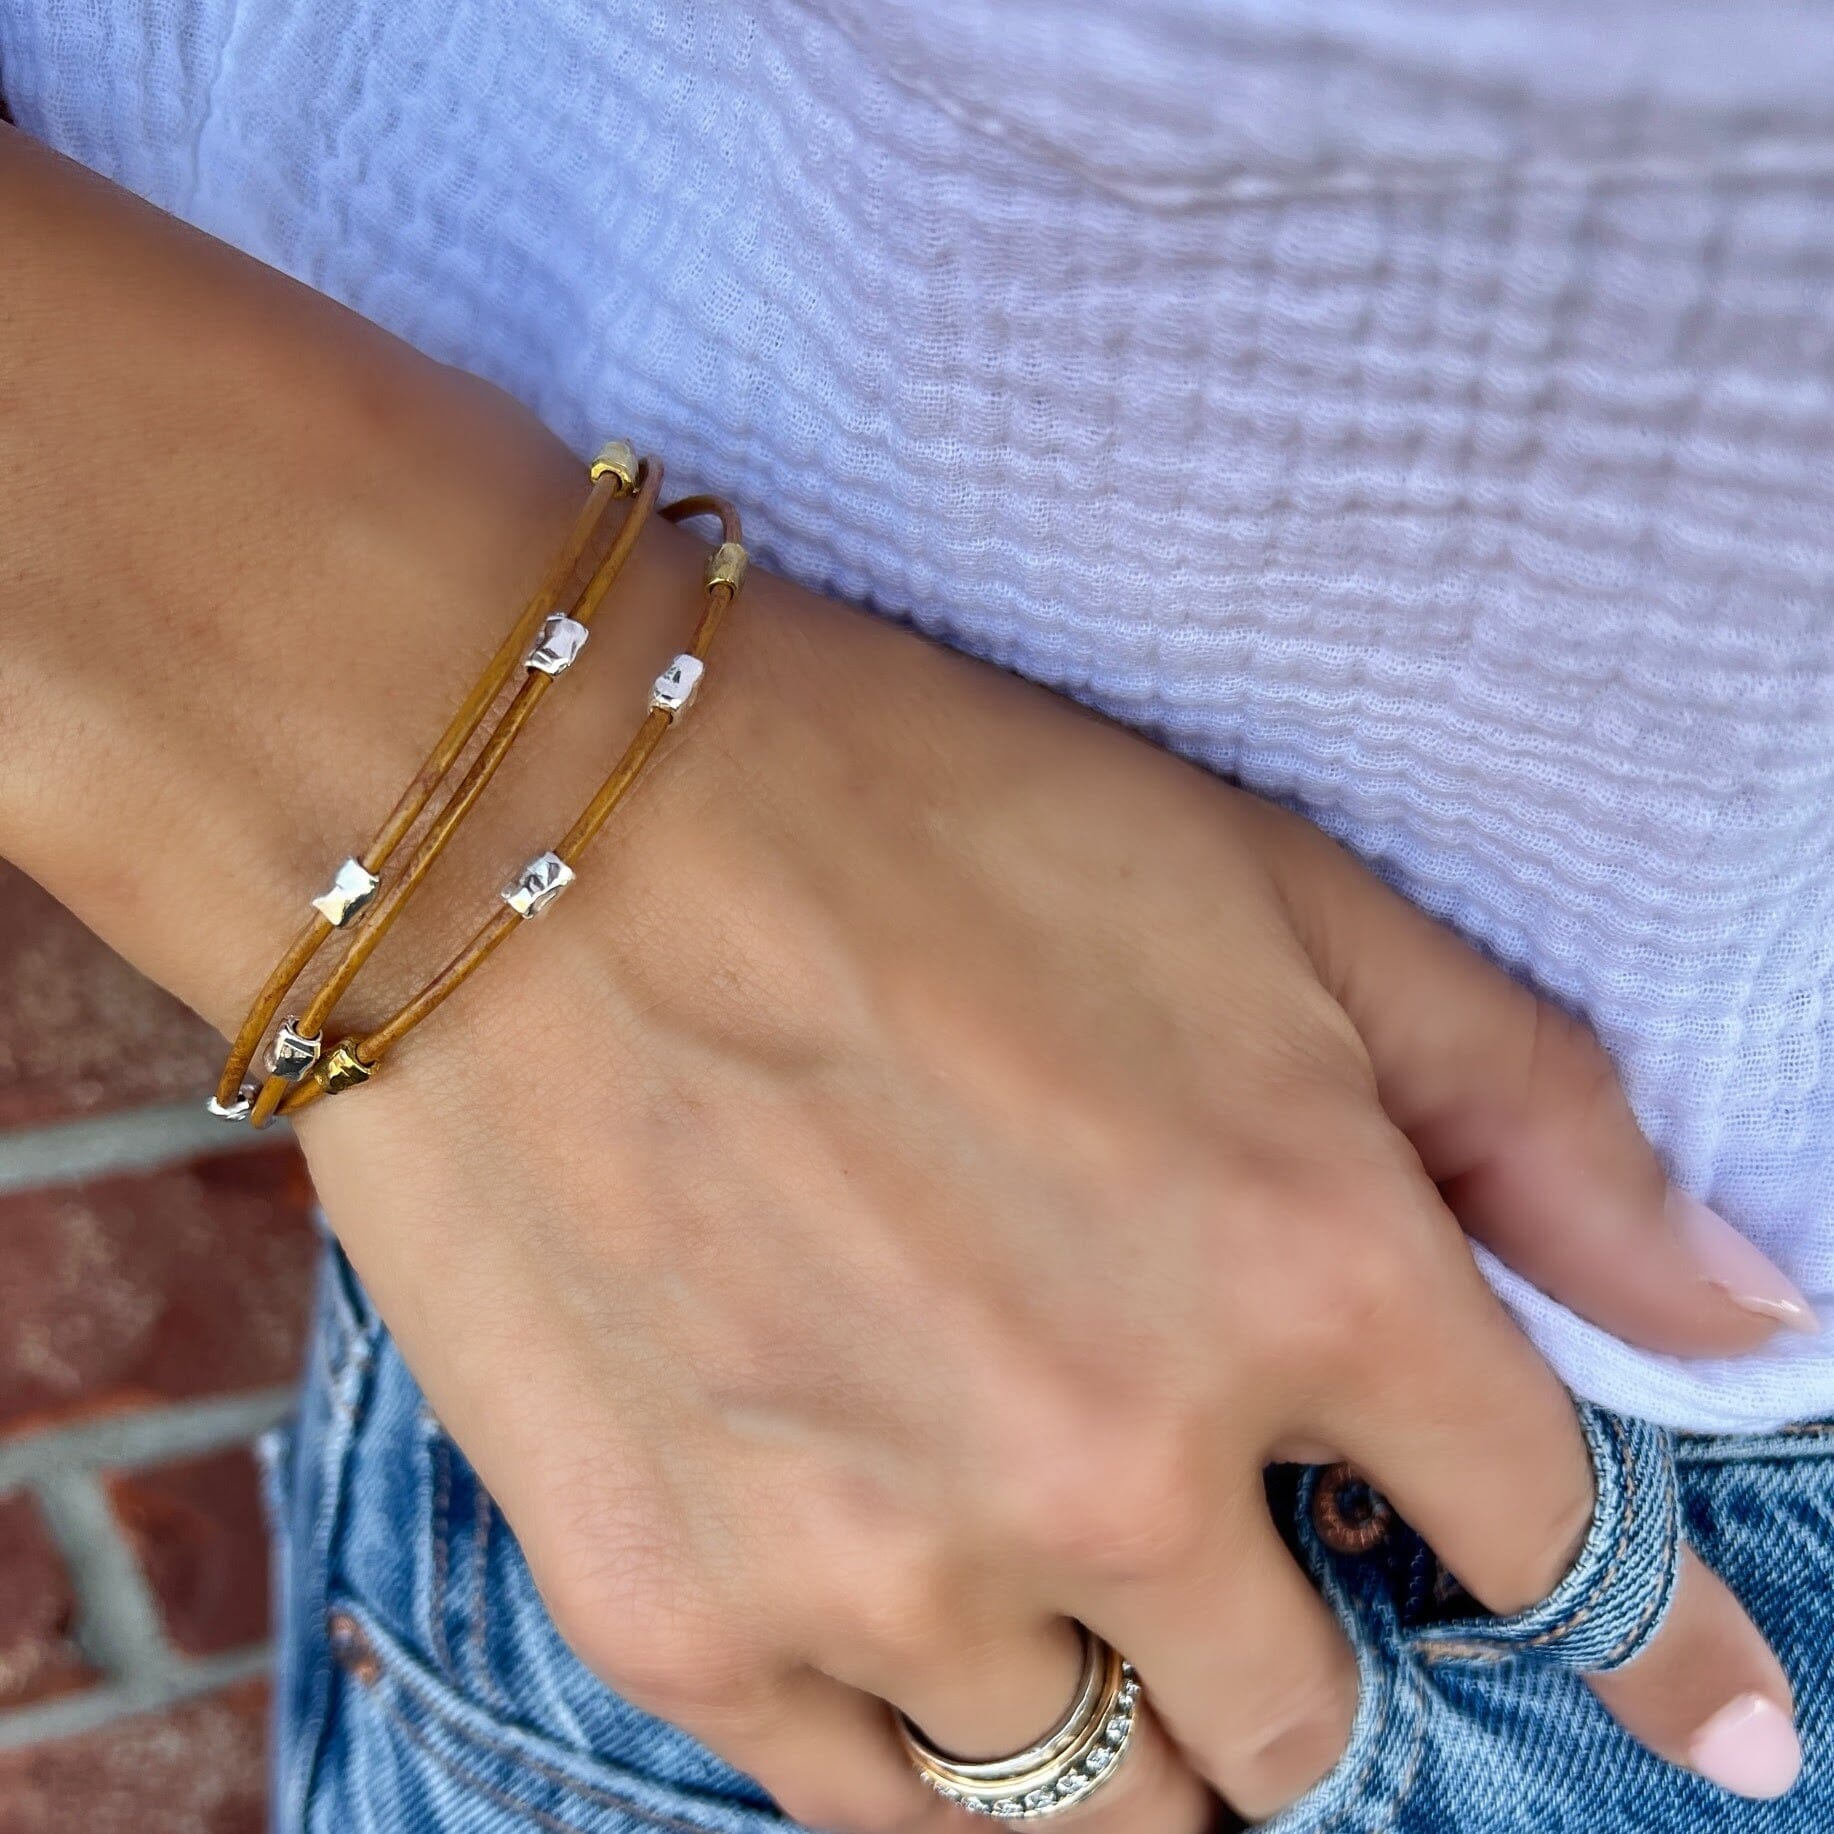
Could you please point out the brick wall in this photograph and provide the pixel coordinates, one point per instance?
(153, 1280)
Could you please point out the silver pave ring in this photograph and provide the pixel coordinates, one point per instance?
(1066, 1767)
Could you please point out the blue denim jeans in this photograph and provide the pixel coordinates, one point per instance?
(422, 1685)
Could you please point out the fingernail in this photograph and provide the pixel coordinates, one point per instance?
(1748, 1747)
(1749, 1278)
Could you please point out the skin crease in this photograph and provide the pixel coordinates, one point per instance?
(941, 1150)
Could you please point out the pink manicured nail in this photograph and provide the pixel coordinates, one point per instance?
(1748, 1747)
(1749, 1278)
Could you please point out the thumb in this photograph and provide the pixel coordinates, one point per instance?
(1517, 1114)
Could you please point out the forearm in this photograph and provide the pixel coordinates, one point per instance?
(252, 550)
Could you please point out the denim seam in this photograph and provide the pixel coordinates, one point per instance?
(1404, 1784)
(346, 1383)
(1399, 1676)
(453, 1767)
(352, 1324)
(587, 1792)
(1451, 1650)
(345, 1380)
(441, 1551)
(1621, 1651)
(1584, 1608)
(1454, 1649)
(478, 1599)
(1370, 1754)
(1658, 1602)
(1804, 1440)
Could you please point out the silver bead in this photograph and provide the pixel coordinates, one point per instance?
(294, 1052)
(351, 890)
(537, 885)
(238, 1110)
(561, 640)
(677, 684)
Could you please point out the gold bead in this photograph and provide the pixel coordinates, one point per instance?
(344, 1069)
(618, 459)
(726, 566)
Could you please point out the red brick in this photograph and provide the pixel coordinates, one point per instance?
(163, 1286)
(38, 1652)
(80, 1031)
(196, 1769)
(198, 1529)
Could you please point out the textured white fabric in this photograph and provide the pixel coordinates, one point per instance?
(1472, 371)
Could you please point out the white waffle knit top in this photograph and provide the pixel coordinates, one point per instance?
(1471, 372)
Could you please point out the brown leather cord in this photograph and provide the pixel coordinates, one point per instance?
(586, 533)
(445, 824)
(355, 1058)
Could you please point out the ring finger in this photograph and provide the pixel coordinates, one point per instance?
(994, 1691)
(1245, 1660)
(828, 1756)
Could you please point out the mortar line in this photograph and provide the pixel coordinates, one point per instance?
(117, 1625)
(135, 1140)
(181, 1681)
(153, 1436)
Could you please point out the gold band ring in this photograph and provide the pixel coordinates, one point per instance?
(1065, 1767)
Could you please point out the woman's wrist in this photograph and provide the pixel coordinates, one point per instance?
(258, 552)
(233, 625)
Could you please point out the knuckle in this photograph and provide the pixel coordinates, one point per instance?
(901, 1620)
(1565, 1046)
(1373, 1290)
(1323, 1053)
(1133, 1514)
(683, 1682)
(872, 1807)
(1336, 1217)
(1566, 1061)
(671, 1678)
(1298, 1727)
(1351, 1292)
(624, 1596)
(603, 1562)
(1558, 1520)
(668, 1663)
(585, 1622)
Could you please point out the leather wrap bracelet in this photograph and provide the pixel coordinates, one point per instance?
(544, 642)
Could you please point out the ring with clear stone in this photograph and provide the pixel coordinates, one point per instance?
(1077, 1757)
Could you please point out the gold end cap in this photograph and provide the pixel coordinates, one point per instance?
(344, 1069)
(726, 566)
(617, 459)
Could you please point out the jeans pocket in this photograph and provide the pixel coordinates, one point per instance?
(488, 1637)
(274, 1452)
(1414, 1745)
(1484, 1725)
(1367, 1788)
(1617, 1592)
(408, 1750)
(307, 1479)
(435, 1691)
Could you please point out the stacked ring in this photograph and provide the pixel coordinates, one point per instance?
(1064, 1768)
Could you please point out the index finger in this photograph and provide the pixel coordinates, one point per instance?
(1474, 1440)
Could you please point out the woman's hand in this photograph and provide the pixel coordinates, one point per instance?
(940, 1153)
(941, 1150)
